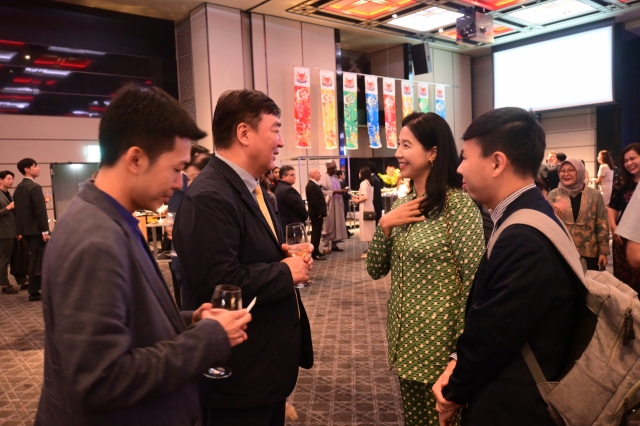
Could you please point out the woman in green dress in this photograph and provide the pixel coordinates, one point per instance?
(432, 242)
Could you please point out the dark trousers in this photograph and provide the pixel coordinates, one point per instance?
(316, 234)
(35, 244)
(6, 247)
(266, 415)
(177, 287)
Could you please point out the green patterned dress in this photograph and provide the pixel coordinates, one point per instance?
(432, 266)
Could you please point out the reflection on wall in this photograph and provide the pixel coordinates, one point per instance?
(66, 181)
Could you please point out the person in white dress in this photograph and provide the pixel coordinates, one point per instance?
(365, 203)
(605, 175)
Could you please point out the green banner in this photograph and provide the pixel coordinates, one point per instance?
(350, 91)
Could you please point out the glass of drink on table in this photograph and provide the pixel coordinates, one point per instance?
(296, 238)
(227, 297)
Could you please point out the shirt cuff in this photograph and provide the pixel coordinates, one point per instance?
(45, 233)
(454, 356)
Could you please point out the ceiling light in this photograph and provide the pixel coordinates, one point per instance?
(441, 30)
(552, 11)
(20, 90)
(58, 73)
(19, 105)
(395, 15)
(77, 51)
(427, 19)
(27, 57)
(7, 56)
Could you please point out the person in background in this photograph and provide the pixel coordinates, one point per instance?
(290, 203)
(276, 179)
(364, 199)
(345, 197)
(605, 175)
(431, 241)
(7, 232)
(335, 227)
(553, 180)
(621, 194)
(377, 191)
(32, 222)
(267, 188)
(629, 230)
(116, 349)
(586, 215)
(525, 292)
(317, 211)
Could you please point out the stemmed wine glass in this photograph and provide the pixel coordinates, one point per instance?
(227, 297)
(296, 239)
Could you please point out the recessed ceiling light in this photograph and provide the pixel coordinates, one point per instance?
(552, 11)
(395, 15)
(441, 30)
(27, 57)
(427, 19)
(7, 56)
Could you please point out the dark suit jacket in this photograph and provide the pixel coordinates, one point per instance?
(221, 237)
(7, 218)
(290, 205)
(377, 194)
(525, 292)
(31, 210)
(117, 350)
(315, 200)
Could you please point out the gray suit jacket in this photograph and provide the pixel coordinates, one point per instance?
(7, 219)
(117, 350)
(31, 210)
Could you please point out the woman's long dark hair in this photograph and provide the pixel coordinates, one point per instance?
(625, 176)
(606, 157)
(432, 130)
(365, 173)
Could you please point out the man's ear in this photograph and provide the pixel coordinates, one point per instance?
(242, 133)
(500, 163)
(136, 160)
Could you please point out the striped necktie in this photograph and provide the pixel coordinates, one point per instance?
(264, 209)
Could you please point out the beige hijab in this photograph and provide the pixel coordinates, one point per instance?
(578, 186)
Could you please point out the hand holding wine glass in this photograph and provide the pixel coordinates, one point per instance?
(228, 297)
(297, 240)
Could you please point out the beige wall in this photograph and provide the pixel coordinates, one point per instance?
(47, 140)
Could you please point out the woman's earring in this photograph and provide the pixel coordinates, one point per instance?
(431, 161)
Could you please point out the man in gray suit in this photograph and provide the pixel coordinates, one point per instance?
(117, 349)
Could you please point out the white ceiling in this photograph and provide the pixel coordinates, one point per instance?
(351, 38)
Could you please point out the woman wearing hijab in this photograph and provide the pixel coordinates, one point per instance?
(585, 215)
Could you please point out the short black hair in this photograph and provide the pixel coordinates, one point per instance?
(432, 130)
(25, 163)
(197, 150)
(372, 167)
(239, 106)
(148, 118)
(6, 173)
(365, 174)
(514, 132)
(284, 170)
(200, 162)
(339, 173)
(561, 156)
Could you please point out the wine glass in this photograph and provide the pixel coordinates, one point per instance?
(227, 297)
(168, 222)
(296, 239)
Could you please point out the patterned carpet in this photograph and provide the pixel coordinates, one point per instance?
(350, 383)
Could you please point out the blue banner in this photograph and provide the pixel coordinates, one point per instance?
(373, 124)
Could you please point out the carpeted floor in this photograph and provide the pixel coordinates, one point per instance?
(350, 383)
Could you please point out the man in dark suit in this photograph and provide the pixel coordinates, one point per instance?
(290, 203)
(32, 222)
(117, 350)
(7, 231)
(317, 210)
(377, 191)
(509, 305)
(226, 232)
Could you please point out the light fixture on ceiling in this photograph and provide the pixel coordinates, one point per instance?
(53, 73)
(395, 15)
(426, 19)
(7, 56)
(76, 51)
(441, 30)
(27, 56)
(552, 11)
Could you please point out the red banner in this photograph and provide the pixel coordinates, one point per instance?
(302, 106)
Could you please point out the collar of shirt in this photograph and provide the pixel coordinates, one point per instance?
(497, 213)
(27, 177)
(126, 214)
(244, 175)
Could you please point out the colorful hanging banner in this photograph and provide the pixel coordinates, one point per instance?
(373, 122)
(407, 98)
(350, 97)
(302, 106)
(440, 108)
(389, 98)
(423, 97)
(328, 95)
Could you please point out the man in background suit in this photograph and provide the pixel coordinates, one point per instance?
(7, 231)
(317, 210)
(32, 222)
(226, 232)
(377, 191)
(117, 350)
(290, 203)
(509, 306)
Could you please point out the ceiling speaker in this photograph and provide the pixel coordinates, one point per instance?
(421, 56)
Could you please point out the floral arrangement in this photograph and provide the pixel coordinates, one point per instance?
(391, 178)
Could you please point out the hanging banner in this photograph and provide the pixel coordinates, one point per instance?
(328, 95)
(373, 122)
(407, 98)
(389, 98)
(302, 106)
(350, 97)
(423, 97)
(440, 108)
